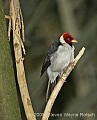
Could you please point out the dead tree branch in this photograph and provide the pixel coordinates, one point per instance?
(16, 22)
(59, 85)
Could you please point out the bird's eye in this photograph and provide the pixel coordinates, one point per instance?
(68, 39)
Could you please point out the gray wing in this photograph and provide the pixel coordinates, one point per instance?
(53, 48)
(45, 65)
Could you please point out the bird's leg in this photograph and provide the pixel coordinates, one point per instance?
(60, 74)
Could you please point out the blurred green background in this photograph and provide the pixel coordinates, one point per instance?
(45, 21)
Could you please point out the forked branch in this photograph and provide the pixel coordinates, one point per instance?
(59, 85)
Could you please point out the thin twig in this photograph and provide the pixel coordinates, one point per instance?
(59, 85)
(22, 24)
(7, 17)
(9, 26)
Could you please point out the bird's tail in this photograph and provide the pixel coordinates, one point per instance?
(50, 88)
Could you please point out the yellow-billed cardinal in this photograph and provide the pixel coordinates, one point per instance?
(59, 55)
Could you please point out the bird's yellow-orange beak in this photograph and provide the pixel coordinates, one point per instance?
(74, 41)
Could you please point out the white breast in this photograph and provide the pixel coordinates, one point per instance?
(61, 59)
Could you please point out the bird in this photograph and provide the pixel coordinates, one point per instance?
(59, 55)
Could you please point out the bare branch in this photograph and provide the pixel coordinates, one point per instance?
(17, 26)
(59, 85)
